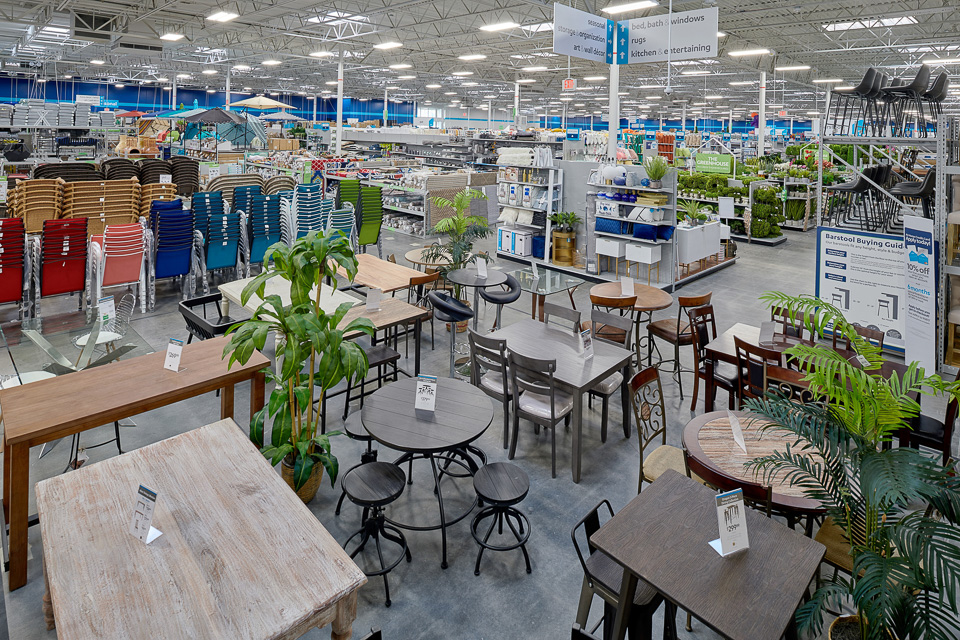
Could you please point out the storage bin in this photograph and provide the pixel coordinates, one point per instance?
(539, 246)
(612, 248)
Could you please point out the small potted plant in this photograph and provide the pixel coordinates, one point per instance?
(564, 237)
(312, 355)
(656, 168)
(898, 508)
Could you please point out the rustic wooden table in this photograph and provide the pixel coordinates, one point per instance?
(215, 572)
(330, 298)
(374, 273)
(649, 299)
(47, 410)
(662, 537)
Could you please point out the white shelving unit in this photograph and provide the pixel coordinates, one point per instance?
(520, 178)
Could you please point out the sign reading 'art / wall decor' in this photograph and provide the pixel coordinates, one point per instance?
(582, 35)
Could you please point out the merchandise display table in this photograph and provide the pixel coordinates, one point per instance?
(47, 410)
(374, 273)
(662, 537)
(574, 375)
(330, 298)
(218, 505)
(649, 299)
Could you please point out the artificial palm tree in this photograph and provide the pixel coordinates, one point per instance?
(461, 231)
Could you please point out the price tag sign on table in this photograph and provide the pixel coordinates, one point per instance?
(108, 310)
(140, 527)
(373, 299)
(737, 431)
(482, 269)
(426, 393)
(732, 518)
(626, 286)
(172, 360)
(587, 344)
(166, 178)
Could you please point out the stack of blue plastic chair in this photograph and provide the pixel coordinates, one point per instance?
(312, 209)
(204, 204)
(263, 225)
(173, 239)
(243, 197)
(223, 240)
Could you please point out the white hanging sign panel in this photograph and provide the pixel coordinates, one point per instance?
(920, 313)
(582, 35)
(693, 36)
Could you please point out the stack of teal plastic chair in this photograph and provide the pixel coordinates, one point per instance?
(371, 218)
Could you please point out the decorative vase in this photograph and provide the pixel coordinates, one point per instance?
(309, 489)
(564, 246)
(845, 628)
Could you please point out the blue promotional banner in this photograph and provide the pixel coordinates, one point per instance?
(921, 292)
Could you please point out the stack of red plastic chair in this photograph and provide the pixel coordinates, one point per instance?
(60, 260)
(13, 239)
(117, 258)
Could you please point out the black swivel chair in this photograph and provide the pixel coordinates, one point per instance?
(448, 309)
(501, 297)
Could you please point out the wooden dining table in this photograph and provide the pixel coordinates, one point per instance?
(662, 537)
(219, 569)
(574, 374)
(374, 273)
(649, 299)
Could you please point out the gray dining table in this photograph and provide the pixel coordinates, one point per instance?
(574, 374)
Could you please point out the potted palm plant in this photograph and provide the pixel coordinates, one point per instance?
(312, 355)
(461, 231)
(656, 168)
(564, 237)
(898, 508)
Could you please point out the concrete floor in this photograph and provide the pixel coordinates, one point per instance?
(504, 602)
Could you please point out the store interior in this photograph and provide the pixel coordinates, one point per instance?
(409, 319)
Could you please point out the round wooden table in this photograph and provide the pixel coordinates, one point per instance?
(708, 439)
(649, 299)
(416, 256)
(470, 278)
(462, 414)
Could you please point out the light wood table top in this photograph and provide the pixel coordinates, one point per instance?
(330, 298)
(415, 256)
(393, 311)
(380, 274)
(708, 438)
(662, 536)
(214, 572)
(648, 298)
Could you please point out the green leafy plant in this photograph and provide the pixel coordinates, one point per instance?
(313, 355)
(897, 507)
(656, 167)
(687, 209)
(461, 231)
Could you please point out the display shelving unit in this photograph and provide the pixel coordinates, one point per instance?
(551, 179)
(947, 193)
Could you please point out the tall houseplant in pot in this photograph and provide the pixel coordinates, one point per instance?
(458, 234)
(313, 357)
(656, 168)
(898, 508)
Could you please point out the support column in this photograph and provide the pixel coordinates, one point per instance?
(762, 117)
(613, 114)
(490, 114)
(826, 109)
(683, 117)
(730, 127)
(173, 94)
(316, 99)
(516, 105)
(227, 88)
(340, 103)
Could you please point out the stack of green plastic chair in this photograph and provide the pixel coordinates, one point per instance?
(371, 217)
(348, 191)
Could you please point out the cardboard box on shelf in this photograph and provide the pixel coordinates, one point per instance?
(283, 144)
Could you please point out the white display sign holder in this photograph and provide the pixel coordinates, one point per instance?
(171, 362)
(482, 269)
(737, 430)
(732, 519)
(107, 309)
(426, 391)
(140, 527)
(373, 299)
(626, 286)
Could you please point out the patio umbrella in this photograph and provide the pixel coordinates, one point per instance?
(215, 116)
(281, 116)
(261, 102)
(131, 114)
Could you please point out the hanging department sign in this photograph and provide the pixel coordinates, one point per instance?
(920, 305)
(693, 35)
(582, 35)
(714, 162)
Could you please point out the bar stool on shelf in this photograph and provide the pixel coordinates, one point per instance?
(373, 486)
(921, 190)
(450, 310)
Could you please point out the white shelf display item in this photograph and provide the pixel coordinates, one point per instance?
(527, 198)
(525, 157)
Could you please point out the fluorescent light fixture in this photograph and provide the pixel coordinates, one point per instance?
(813, 113)
(183, 76)
(168, 88)
(322, 54)
(241, 67)
(629, 6)
(406, 77)
(450, 93)
(526, 81)
(654, 98)
(566, 99)
(363, 99)
(843, 88)
(172, 37)
(324, 91)
(714, 97)
(271, 62)
(580, 104)
(694, 73)
(870, 24)
(41, 80)
(533, 69)
(247, 89)
(223, 16)
(388, 45)
(274, 94)
(595, 78)
(209, 72)
(795, 67)
(67, 77)
(471, 84)
(392, 88)
(211, 90)
(434, 86)
(161, 79)
(331, 83)
(311, 97)
(463, 73)
(743, 83)
(96, 62)
(402, 65)
(499, 26)
(828, 81)
(721, 34)
(748, 52)
(536, 28)
(473, 56)
(934, 61)
(119, 86)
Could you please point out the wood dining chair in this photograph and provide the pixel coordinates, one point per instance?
(751, 363)
(755, 496)
(792, 325)
(538, 399)
(488, 372)
(930, 432)
(418, 295)
(602, 325)
(874, 336)
(556, 311)
(675, 332)
(788, 383)
(622, 306)
(704, 329)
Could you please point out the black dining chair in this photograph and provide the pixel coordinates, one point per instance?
(508, 293)
(206, 326)
(450, 310)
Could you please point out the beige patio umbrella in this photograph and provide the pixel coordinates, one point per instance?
(261, 102)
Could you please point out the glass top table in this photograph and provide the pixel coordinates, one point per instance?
(548, 283)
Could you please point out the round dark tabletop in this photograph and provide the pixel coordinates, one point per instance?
(462, 414)
(468, 278)
(648, 298)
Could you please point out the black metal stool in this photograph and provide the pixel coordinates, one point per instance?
(355, 431)
(501, 297)
(373, 486)
(501, 485)
(449, 309)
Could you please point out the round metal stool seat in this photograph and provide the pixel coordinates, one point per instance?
(501, 485)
